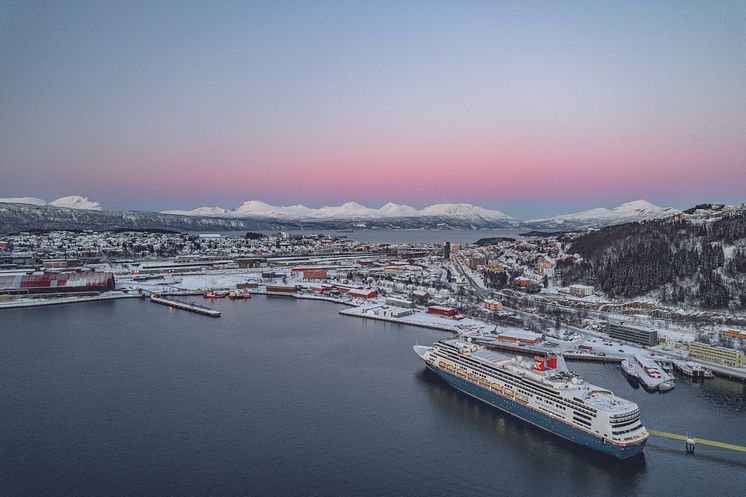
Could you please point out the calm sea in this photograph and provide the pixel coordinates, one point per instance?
(285, 397)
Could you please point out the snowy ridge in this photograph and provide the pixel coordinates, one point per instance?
(201, 211)
(23, 200)
(637, 210)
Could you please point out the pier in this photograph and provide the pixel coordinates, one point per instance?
(186, 306)
(703, 441)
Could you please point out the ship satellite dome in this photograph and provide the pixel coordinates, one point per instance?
(574, 381)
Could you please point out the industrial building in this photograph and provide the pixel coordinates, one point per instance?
(314, 274)
(184, 267)
(35, 283)
(520, 336)
(399, 302)
(632, 334)
(717, 355)
(390, 312)
(281, 289)
(442, 311)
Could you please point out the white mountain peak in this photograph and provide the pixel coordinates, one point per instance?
(398, 210)
(76, 202)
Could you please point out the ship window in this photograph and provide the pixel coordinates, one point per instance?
(581, 421)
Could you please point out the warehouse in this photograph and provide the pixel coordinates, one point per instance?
(442, 311)
(56, 283)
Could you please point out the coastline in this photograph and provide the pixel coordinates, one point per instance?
(64, 300)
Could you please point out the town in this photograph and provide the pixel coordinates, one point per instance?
(505, 293)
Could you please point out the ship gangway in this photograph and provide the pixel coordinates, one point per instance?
(186, 306)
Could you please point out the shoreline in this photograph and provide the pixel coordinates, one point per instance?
(64, 300)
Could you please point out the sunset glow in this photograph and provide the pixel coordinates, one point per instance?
(519, 108)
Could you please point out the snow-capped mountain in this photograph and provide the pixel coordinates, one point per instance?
(352, 210)
(29, 212)
(464, 211)
(258, 208)
(70, 202)
(76, 202)
(398, 210)
(637, 210)
(349, 210)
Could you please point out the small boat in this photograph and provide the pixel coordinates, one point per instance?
(236, 295)
(215, 295)
(648, 373)
(629, 371)
(693, 370)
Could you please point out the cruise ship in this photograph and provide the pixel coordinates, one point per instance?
(647, 372)
(542, 394)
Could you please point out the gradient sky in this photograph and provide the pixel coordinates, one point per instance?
(531, 108)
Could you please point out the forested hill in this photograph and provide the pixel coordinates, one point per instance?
(697, 258)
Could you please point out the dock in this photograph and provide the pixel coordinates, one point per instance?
(186, 306)
(536, 351)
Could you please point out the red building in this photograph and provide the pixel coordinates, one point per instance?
(57, 283)
(280, 289)
(442, 311)
(314, 274)
(363, 293)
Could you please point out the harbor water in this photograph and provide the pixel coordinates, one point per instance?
(285, 397)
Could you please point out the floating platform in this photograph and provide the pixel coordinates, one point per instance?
(186, 306)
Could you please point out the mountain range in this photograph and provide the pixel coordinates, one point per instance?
(33, 213)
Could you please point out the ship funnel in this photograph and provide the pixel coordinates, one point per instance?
(538, 364)
(552, 362)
